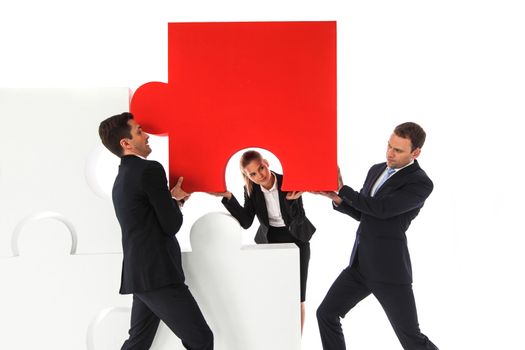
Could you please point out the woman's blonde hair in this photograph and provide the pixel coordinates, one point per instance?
(246, 158)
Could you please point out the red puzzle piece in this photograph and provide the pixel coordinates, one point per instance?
(239, 85)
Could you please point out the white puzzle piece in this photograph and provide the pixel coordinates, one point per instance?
(52, 145)
(48, 301)
(249, 295)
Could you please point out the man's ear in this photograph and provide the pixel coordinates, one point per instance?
(124, 144)
(416, 153)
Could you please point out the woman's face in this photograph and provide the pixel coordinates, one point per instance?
(258, 172)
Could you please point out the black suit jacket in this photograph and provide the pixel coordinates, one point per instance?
(149, 219)
(381, 247)
(292, 212)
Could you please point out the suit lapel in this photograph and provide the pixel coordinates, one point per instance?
(373, 178)
(260, 204)
(397, 178)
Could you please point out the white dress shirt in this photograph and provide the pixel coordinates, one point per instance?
(271, 197)
(383, 174)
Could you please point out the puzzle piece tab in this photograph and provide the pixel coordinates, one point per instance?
(238, 85)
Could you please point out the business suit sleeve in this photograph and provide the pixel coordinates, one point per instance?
(295, 209)
(244, 214)
(408, 196)
(166, 208)
(348, 210)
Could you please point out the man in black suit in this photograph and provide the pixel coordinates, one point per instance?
(392, 195)
(149, 217)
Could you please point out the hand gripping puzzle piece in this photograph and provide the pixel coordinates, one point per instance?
(233, 86)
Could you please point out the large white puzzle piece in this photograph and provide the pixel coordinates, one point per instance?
(51, 149)
(48, 303)
(249, 295)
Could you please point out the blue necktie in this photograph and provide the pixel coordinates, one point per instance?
(389, 172)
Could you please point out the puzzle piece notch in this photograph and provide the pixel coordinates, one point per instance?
(204, 243)
(39, 217)
(101, 170)
(237, 85)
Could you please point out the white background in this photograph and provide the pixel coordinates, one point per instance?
(455, 67)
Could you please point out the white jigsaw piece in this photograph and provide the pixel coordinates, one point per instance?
(249, 295)
(48, 301)
(54, 149)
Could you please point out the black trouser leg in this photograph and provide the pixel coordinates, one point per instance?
(177, 308)
(345, 293)
(143, 327)
(400, 307)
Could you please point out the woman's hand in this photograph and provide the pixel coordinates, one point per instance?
(293, 195)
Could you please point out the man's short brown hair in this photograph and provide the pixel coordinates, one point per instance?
(114, 129)
(413, 132)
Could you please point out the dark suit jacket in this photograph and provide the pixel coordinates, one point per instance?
(149, 219)
(381, 246)
(292, 212)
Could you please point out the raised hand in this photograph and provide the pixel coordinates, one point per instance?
(339, 179)
(178, 193)
(293, 195)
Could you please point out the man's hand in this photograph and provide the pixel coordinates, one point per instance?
(293, 195)
(339, 179)
(178, 193)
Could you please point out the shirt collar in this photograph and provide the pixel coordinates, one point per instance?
(133, 154)
(409, 164)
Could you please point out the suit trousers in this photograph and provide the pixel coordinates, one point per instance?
(282, 235)
(397, 301)
(177, 308)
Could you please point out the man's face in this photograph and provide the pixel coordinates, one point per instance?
(399, 152)
(138, 143)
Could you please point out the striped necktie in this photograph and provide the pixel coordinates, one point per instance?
(386, 176)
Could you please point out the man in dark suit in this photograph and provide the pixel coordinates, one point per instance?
(392, 195)
(149, 217)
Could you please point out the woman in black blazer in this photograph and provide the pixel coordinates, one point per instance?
(281, 214)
